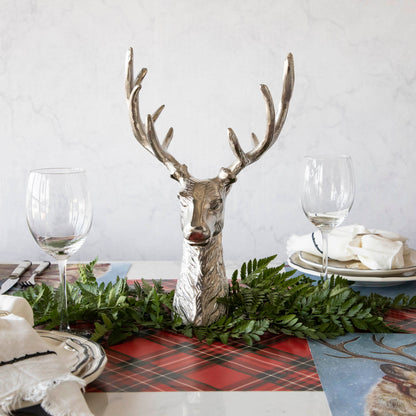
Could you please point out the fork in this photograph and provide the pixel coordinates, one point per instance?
(31, 281)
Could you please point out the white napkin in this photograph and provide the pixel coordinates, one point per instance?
(29, 369)
(17, 306)
(375, 249)
(377, 252)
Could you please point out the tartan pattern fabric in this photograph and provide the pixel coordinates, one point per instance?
(404, 319)
(163, 361)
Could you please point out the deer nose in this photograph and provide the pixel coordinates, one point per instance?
(197, 235)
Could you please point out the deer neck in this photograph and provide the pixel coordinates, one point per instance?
(202, 281)
(199, 262)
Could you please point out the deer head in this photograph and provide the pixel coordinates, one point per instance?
(202, 209)
(202, 201)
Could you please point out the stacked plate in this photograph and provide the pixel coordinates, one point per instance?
(84, 358)
(355, 270)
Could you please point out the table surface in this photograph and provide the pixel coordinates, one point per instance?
(280, 370)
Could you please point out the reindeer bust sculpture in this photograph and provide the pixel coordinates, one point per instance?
(202, 279)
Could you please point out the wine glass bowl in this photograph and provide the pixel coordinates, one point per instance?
(327, 195)
(59, 216)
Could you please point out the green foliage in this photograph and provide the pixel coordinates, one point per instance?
(86, 272)
(301, 307)
(264, 299)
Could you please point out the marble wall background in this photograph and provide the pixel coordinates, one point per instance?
(62, 103)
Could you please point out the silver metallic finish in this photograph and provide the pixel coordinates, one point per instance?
(40, 269)
(15, 276)
(202, 279)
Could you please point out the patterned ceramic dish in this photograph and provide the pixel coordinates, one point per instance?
(84, 358)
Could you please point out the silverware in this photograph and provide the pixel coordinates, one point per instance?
(41, 268)
(15, 276)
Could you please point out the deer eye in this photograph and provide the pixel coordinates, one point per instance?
(214, 205)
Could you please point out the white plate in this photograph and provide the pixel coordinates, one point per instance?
(85, 359)
(295, 262)
(350, 268)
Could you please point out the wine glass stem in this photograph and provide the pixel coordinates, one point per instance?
(324, 235)
(64, 325)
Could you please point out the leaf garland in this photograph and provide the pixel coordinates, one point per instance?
(261, 299)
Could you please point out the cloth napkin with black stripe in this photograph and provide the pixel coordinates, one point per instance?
(30, 371)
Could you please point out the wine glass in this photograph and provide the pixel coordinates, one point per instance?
(327, 196)
(59, 216)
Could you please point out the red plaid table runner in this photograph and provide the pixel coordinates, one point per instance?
(163, 361)
(404, 319)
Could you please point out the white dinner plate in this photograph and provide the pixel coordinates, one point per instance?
(84, 358)
(295, 262)
(351, 268)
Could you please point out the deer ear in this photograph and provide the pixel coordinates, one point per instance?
(227, 178)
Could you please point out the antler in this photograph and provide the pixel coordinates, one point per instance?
(394, 350)
(341, 347)
(147, 137)
(273, 130)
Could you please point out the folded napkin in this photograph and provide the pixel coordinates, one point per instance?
(375, 249)
(30, 371)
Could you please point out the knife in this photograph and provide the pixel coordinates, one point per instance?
(15, 276)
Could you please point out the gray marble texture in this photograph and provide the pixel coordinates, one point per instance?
(62, 103)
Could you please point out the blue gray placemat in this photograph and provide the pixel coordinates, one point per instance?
(357, 386)
(117, 269)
